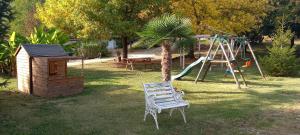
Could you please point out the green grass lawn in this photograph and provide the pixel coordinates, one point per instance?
(113, 103)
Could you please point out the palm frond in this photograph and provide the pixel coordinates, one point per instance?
(166, 27)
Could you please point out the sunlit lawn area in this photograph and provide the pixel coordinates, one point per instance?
(113, 103)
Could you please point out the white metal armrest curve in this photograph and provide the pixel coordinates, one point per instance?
(152, 102)
(179, 95)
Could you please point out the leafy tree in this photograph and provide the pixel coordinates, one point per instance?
(123, 18)
(68, 16)
(24, 21)
(6, 15)
(100, 18)
(233, 17)
(230, 16)
(165, 30)
(198, 11)
(278, 9)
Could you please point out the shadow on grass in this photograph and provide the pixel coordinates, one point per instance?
(249, 115)
(214, 92)
(109, 105)
(90, 89)
(217, 78)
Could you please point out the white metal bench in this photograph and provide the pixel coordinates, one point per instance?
(162, 96)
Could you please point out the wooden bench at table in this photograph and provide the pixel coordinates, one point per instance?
(132, 61)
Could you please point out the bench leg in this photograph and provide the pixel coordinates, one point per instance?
(154, 115)
(183, 114)
(171, 111)
(155, 119)
(146, 113)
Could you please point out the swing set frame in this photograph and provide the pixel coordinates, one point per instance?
(229, 53)
(242, 46)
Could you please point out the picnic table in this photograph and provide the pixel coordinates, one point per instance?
(134, 61)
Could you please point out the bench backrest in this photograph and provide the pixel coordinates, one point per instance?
(163, 91)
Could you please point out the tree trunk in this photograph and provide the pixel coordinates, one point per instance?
(166, 61)
(13, 68)
(292, 41)
(125, 47)
(191, 54)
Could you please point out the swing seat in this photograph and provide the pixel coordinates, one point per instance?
(247, 64)
(236, 71)
(162, 96)
(228, 72)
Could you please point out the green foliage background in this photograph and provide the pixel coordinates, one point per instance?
(6, 16)
(24, 21)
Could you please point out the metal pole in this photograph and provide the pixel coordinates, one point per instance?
(232, 45)
(82, 66)
(256, 62)
(237, 51)
(217, 49)
(230, 67)
(230, 51)
(183, 59)
(206, 58)
(180, 57)
(199, 48)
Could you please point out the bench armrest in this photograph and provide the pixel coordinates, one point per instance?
(150, 100)
(179, 95)
(151, 103)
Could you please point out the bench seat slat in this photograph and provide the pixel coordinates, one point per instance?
(164, 100)
(164, 96)
(157, 85)
(160, 92)
(158, 88)
(174, 105)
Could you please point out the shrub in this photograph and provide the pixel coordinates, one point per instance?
(93, 49)
(7, 53)
(41, 35)
(281, 60)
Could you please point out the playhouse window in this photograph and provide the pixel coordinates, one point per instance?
(53, 68)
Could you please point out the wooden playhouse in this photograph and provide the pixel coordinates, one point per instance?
(42, 71)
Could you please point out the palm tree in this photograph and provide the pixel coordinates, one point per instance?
(165, 30)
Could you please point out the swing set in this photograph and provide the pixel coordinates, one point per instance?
(227, 45)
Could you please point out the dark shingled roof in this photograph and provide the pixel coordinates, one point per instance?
(44, 50)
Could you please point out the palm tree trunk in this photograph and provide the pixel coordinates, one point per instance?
(166, 61)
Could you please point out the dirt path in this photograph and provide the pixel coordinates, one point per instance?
(153, 53)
